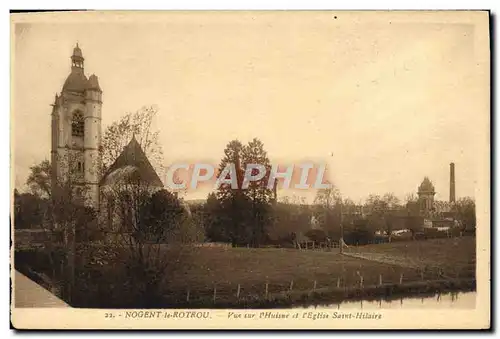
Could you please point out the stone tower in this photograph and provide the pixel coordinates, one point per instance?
(76, 133)
(426, 194)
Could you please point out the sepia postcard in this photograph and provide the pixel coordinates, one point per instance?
(250, 170)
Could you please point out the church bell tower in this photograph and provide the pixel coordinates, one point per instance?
(76, 133)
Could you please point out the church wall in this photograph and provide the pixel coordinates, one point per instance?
(65, 126)
(92, 143)
(62, 168)
(112, 210)
(55, 129)
(93, 95)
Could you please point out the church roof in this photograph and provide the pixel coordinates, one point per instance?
(76, 81)
(93, 83)
(132, 164)
(426, 186)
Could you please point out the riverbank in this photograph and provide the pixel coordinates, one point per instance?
(328, 296)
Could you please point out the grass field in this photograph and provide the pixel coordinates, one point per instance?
(455, 256)
(205, 268)
(278, 277)
(287, 277)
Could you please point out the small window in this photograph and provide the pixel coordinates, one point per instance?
(79, 166)
(77, 124)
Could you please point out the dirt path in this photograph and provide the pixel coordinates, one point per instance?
(386, 259)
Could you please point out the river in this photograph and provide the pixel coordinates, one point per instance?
(457, 300)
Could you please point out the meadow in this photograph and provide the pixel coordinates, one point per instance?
(271, 273)
(225, 277)
(454, 256)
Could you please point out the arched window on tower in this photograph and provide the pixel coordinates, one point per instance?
(77, 124)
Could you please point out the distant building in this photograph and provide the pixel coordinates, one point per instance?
(438, 214)
(426, 194)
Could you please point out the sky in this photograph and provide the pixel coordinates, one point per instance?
(383, 101)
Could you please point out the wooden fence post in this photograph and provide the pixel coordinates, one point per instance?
(187, 296)
(314, 287)
(291, 285)
(361, 281)
(401, 278)
(238, 292)
(338, 282)
(380, 279)
(267, 290)
(215, 292)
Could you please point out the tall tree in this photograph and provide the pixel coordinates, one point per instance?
(374, 202)
(142, 223)
(258, 193)
(234, 204)
(466, 212)
(232, 157)
(39, 179)
(411, 198)
(214, 225)
(159, 215)
(29, 210)
(328, 197)
(391, 200)
(291, 217)
(379, 208)
(63, 212)
(328, 203)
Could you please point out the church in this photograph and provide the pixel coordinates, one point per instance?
(76, 141)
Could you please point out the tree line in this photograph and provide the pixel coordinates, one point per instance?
(243, 217)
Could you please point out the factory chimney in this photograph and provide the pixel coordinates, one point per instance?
(452, 182)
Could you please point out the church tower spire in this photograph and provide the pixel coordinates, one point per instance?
(77, 58)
